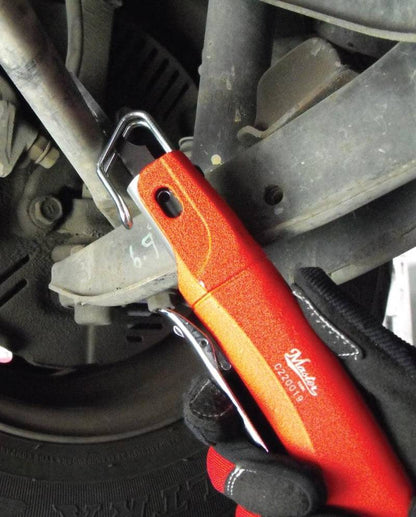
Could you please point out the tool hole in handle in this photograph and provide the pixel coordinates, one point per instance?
(169, 203)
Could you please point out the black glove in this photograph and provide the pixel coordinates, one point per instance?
(382, 365)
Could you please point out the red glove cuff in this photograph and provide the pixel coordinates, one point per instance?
(220, 471)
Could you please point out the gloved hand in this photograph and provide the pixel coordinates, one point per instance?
(383, 367)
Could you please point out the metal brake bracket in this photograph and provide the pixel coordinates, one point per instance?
(120, 268)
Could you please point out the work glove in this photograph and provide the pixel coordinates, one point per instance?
(383, 367)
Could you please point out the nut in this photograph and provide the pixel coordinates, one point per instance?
(46, 211)
(43, 153)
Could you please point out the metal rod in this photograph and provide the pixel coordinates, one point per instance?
(32, 63)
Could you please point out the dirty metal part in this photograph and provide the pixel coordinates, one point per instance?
(98, 113)
(389, 19)
(124, 266)
(32, 63)
(60, 183)
(349, 149)
(90, 24)
(84, 222)
(46, 211)
(7, 93)
(356, 243)
(345, 248)
(307, 71)
(92, 315)
(353, 41)
(33, 324)
(75, 35)
(302, 78)
(236, 53)
(42, 152)
(163, 300)
(16, 135)
(20, 140)
(62, 251)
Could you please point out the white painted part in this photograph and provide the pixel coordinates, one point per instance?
(5, 355)
(401, 306)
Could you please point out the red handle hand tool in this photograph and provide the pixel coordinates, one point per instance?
(299, 385)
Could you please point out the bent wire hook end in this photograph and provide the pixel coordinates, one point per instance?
(107, 158)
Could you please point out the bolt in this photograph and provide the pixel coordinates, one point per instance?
(273, 194)
(43, 153)
(46, 211)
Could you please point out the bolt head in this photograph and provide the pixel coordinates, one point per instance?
(46, 211)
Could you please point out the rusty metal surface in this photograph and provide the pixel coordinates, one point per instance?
(32, 63)
(346, 151)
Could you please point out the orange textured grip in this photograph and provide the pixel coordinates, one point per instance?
(297, 382)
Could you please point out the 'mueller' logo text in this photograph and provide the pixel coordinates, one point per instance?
(296, 363)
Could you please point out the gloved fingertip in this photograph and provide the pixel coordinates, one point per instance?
(265, 484)
(209, 414)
